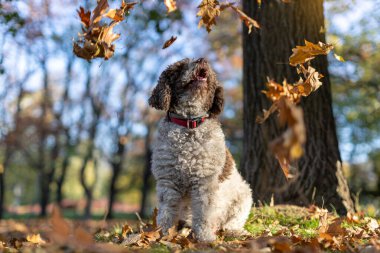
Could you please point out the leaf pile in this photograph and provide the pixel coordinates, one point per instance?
(209, 10)
(285, 97)
(98, 37)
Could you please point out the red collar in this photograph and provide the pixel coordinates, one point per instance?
(188, 123)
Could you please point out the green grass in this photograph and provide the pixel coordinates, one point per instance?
(273, 220)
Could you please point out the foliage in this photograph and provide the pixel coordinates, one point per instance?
(288, 146)
(97, 38)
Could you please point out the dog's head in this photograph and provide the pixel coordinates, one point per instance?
(189, 88)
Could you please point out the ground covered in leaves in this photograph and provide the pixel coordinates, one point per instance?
(272, 229)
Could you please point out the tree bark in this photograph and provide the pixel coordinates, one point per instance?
(266, 52)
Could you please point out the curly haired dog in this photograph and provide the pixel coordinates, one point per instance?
(197, 179)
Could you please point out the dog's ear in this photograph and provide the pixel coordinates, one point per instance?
(218, 102)
(162, 93)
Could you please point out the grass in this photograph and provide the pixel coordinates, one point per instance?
(274, 220)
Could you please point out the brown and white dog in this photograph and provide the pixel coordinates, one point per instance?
(197, 179)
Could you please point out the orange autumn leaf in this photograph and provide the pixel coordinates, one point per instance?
(85, 17)
(249, 22)
(101, 7)
(303, 54)
(288, 146)
(208, 11)
(119, 14)
(97, 38)
(169, 42)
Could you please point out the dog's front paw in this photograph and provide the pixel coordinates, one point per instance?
(204, 235)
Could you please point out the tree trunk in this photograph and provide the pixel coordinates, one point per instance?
(116, 169)
(42, 146)
(66, 131)
(92, 132)
(147, 172)
(266, 52)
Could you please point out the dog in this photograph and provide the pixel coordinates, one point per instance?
(196, 176)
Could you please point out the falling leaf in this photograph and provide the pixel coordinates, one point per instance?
(249, 22)
(101, 7)
(302, 54)
(169, 42)
(97, 38)
(118, 14)
(85, 17)
(288, 146)
(171, 5)
(339, 58)
(208, 11)
(35, 238)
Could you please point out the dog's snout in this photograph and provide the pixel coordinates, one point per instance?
(201, 60)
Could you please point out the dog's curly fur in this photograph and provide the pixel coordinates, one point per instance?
(197, 179)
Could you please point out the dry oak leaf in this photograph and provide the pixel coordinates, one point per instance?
(169, 42)
(249, 22)
(288, 146)
(303, 54)
(304, 88)
(101, 7)
(118, 14)
(97, 38)
(85, 17)
(171, 5)
(208, 11)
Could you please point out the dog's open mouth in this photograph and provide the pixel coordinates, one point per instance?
(201, 74)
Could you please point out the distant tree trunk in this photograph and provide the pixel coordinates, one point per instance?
(147, 172)
(67, 145)
(117, 165)
(62, 176)
(44, 174)
(266, 53)
(89, 154)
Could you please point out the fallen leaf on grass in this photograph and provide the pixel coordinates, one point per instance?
(61, 228)
(169, 42)
(35, 238)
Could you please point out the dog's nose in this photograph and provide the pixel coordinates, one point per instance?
(201, 60)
